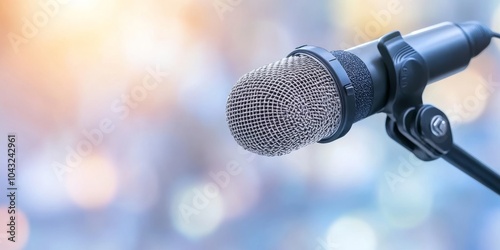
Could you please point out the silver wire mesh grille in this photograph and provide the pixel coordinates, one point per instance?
(283, 106)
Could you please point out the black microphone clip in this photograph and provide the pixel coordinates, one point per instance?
(408, 120)
(422, 129)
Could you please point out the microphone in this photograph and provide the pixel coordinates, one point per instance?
(315, 95)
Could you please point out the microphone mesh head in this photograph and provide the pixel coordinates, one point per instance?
(284, 106)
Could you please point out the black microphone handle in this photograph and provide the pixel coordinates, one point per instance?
(447, 48)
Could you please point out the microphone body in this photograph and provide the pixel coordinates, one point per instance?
(447, 49)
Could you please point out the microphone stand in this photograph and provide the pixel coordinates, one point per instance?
(422, 129)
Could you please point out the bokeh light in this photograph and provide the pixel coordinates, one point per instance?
(463, 97)
(93, 184)
(351, 233)
(195, 214)
(22, 229)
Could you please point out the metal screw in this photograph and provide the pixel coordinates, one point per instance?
(439, 126)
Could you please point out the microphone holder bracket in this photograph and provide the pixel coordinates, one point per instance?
(422, 129)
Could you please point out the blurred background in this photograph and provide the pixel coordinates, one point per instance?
(119, 111)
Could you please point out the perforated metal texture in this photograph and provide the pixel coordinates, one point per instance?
(284, 106)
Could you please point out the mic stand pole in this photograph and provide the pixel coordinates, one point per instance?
(474, 168)
(422, 129)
